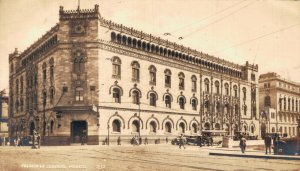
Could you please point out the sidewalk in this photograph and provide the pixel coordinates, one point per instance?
(235, 152)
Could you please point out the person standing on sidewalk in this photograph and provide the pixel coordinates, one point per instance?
(243, 144)
(268, 142)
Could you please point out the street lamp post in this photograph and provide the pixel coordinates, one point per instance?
(108, 134)
(139, 103)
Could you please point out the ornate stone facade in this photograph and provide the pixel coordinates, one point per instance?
(279, 103)
(105, 80)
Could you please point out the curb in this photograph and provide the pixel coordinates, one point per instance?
(256, 156)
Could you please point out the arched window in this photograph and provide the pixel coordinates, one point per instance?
(284, 103)
(79, 94)
(135, 97)
(289, 104)
(152, 99)
(135, 71)
(273, 130)
(22, 85)
(235, 91)
(168, 101)
(206, 82)
(296, 105)
(218, 106)
(181, 127)
(135, 126)
(217, 87)
(51, 126)
(226, 109)
(152, 72)
(181, 102)
(168, 127)
(117, 95)
(44, 97)
(244, 94)
(168, 78)
(267, 101)
(51, 95)
(17, 86)
(119, 38)
(226, 89)
(194, 104)
(44, 72)
(113, 36)
(217, 126)
(51, 69)
(181, 81)
(116, 125)
(293, 104)
(194, 83)
(78, 65)
(116, 62)
(194, 128)
(153, 127)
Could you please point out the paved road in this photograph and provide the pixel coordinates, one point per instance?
(151, 157)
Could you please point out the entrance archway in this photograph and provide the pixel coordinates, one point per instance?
(181, 128)
(206, 126)
(31, 128)
(78, 131)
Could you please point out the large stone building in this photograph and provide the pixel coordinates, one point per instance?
(3, 116)
(90, 76)
(279, 103)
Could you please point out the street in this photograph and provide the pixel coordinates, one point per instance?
(150, 157)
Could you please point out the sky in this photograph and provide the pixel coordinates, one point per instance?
(263, 32)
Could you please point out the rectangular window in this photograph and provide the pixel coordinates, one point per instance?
(44, 75)
(135, 74)
(51, 72)
(79, 95)
(116, 71)
(167, 80)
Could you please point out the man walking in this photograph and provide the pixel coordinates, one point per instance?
(268, 142)
(243, 144)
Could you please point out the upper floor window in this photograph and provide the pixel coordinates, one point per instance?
(17, 86)
(194, 83)
(168, 78)
(293, 105)
(217, 87)
(135, 71)
(44, 72)
(79, 94)
(235, 91)
(194, 104)
(226, 89)
(152, 72)
(152, 99)
(22, 85)
(296, 105)
(116, 62)
(168, 101)
(135, 97)
(44, 97)
(206, 83)
(289, 104)
(284, 103)
(244, 93)
(117, 95)
(51, 95)
(51, 69)
(79, 65)
(181, 81)
(181, 102)
(267, 101)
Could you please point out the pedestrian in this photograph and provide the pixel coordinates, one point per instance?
(181, 141)
(268, 142)
(119, 140)
(146, 141)
(243, 144)
(39, 140)
(167, 140)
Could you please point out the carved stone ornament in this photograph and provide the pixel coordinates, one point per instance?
(78, 27)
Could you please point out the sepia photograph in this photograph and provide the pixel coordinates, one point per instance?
(149, 85)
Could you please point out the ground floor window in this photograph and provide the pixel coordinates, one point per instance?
(116, 126)
(168, 127)
(135, 126)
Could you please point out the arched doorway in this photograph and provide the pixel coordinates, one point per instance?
(135, 126)
(168, 127)
(181, 128)
(263, 130)
(116, 126)
(152, 127)
(194, 128)
(31, 128)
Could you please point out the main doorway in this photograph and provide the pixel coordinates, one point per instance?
(78, 131)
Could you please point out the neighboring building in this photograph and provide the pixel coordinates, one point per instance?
(3, 116)
(279, 100)
(90, 76)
